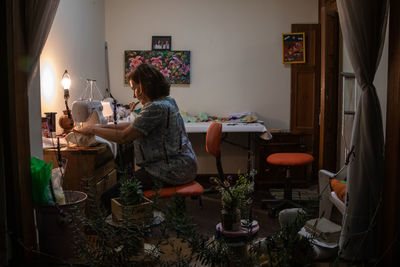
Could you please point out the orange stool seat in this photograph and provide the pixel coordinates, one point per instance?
(287, 160)
(190, 189)
(290, 159)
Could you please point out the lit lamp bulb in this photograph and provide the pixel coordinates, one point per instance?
(66, 84)
(66, 121)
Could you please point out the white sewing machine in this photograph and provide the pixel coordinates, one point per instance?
(87, 110)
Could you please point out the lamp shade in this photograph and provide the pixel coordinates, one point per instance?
(66, 80)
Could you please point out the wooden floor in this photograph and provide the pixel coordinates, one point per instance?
(207, 217)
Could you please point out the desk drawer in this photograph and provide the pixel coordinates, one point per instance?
(106, 183)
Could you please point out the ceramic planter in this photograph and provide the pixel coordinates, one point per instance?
(231, 220)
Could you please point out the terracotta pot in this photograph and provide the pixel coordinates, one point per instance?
(66, 123)
(230, 220)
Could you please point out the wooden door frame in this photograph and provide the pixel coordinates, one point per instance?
(390, 222)
(329, 89)
(15, 150)
(299, 122)
(3, 208)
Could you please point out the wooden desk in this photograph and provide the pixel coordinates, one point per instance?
(89, 169)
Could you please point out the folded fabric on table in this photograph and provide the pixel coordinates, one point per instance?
(113, 146)
(81, 139)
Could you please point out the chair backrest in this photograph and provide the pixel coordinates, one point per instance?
(213, 139)
(213, 143)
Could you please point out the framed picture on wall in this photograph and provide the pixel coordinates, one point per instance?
(293, 48)
(174, 65)
(161, 43)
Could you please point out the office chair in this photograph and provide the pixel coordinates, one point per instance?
(286, 160)
(213, 144)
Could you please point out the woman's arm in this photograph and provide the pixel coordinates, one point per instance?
(120, 126)
(120, 136)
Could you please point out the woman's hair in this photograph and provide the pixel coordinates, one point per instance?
(153, 83)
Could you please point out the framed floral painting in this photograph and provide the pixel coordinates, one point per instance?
(294, 48)
(174, 65)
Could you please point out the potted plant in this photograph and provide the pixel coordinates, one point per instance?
(286, 247)
(235, 195)
(131, 205)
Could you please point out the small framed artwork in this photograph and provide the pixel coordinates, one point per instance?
(294, 48)
(161, 43)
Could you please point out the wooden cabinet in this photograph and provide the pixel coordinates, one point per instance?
(270, 175)
(90, 170)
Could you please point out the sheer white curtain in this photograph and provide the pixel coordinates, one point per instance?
(363, 24)
(39, 16)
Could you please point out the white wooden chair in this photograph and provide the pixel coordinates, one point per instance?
(328, 196)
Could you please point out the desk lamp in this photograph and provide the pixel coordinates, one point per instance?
(65, 120)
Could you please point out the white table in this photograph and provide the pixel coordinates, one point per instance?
(227, 127)
(235, 127)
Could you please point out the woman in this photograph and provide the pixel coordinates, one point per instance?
(162, 148)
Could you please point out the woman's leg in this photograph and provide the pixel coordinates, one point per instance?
(149, 181)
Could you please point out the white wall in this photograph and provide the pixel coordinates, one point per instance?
(236, 58)
(35, 121)
(235, 47)
(76, 43)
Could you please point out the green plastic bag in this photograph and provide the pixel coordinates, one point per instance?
(41, 176)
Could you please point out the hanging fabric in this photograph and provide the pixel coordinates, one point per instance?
(39, 16)
(363, 24)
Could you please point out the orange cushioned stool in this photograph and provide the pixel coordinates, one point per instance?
(288, 160)
(193, 189)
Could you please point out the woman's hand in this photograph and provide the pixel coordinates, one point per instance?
(133, 105)
(120, 133)
(88, 130)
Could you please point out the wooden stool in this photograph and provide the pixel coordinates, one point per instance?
(288, 160)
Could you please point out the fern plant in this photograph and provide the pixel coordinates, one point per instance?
(131, 192)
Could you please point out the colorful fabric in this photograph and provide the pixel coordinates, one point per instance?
(339, 187)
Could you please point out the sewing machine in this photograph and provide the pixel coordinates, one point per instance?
(86, 109)
(89, 112)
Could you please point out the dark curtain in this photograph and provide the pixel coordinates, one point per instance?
(363, 24)
(39, 16)
(27, 24)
